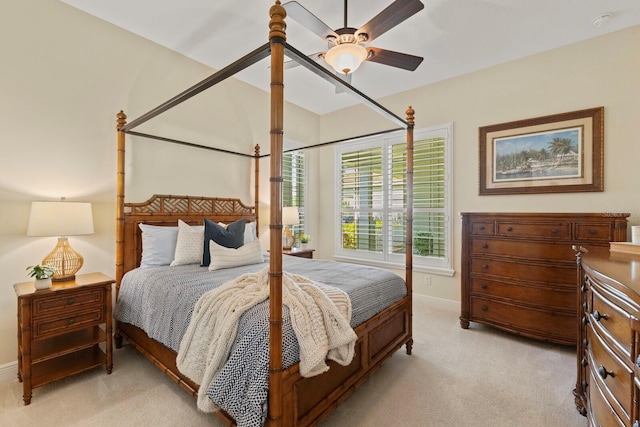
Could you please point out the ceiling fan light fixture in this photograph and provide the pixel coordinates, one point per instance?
(346, 58)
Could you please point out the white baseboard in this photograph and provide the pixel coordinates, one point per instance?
(8, 372)
(441, 303)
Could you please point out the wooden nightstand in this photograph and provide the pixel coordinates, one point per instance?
(59, 331)
(301, 253)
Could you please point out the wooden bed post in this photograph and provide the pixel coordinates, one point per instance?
(409, 239)
(277, 38)
(256, 185)
(121, 122)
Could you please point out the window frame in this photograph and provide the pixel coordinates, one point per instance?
(435, 265)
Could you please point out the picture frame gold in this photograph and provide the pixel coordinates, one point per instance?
(560, 153)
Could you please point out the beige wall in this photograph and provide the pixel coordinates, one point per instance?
(603, 71)
(63, 78)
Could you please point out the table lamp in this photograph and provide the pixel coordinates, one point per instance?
(61, 219)
(290, 216)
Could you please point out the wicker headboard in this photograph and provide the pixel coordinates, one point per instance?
(165, 210)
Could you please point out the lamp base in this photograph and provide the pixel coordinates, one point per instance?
(65, 260)
(288, 239)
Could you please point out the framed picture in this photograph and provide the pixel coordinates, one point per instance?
(553, 154)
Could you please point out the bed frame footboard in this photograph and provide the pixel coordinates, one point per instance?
(306, 401)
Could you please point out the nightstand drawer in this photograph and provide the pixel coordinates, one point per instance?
(46, 305)
(48, 327)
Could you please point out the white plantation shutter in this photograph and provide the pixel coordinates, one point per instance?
(372, 198)
(293, 186)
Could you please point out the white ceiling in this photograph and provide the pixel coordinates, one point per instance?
(454, 36)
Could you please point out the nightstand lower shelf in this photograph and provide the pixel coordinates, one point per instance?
(59, 346)
(60, 367)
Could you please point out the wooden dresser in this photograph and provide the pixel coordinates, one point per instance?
(607, 389)
(519, 271)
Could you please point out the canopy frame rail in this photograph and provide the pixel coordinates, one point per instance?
(230, 70)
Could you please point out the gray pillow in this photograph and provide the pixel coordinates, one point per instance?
(230, 237)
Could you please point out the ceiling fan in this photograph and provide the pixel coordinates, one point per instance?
(346, 46)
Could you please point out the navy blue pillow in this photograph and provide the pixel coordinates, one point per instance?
(230, 237)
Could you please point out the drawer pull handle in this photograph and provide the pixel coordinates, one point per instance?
(485, 308)
(598, 316)
(585, 305)
(555, 231)
(585, 342)
(484, 286)
(592, 231)
(636, 423)
(602, 371)
(584, 362)
(71, 301)
(485, 266)
(482, 228)
(638, 362)
(71, 320)
(485, 246)
(509, 228)
(585, 320)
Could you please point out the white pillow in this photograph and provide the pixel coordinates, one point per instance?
(249, 231)
(158, 245)
(189, 244)
(221, 257)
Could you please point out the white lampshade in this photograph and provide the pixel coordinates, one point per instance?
(290, 215)
(61, 219)
(346, 58)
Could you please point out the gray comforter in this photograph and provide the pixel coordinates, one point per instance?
(160, 301)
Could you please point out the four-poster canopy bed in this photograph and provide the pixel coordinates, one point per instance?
(293, 400)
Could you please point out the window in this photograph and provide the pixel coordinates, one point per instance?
(293, 186)
(371, 199)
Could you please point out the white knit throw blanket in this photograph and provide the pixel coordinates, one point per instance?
(320, 317)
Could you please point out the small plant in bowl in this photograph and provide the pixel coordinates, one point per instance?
(304, 240)
(42, 274)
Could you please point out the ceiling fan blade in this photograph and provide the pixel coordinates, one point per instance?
(394, 59)
(394, 14)
(296, 11)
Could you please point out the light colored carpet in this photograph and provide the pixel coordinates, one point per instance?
(455, 377)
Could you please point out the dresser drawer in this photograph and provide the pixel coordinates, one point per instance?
(67, 301)
(483, 228)
(538, 230)
(600, 409)
(612, 321)
(594, 232)
(558, 274)
(51, 326)
(611, 373)
(527, 320)
(530, 295)
(531, 250)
